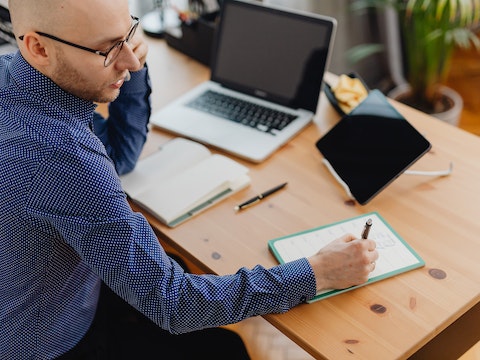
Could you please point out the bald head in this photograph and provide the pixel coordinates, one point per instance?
(71, 19)
(51, 33)
(30, 15)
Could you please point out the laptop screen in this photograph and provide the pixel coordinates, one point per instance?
(276, 55)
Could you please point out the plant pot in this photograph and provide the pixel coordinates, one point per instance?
(451, 101)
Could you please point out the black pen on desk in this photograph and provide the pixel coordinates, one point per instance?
(260, 197)
(366, 229)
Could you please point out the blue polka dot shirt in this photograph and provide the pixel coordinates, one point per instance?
(66, 225)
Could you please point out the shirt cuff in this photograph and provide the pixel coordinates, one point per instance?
(138, 82)
(299, 281)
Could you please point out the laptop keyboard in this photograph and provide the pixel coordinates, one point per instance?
(253, 115)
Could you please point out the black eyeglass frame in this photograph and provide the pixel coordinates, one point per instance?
(118, 44)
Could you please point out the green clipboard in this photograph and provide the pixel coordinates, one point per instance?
(396, 256)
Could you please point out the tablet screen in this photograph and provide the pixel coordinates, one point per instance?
(371, 147)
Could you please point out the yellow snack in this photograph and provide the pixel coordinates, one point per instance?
(349, 92)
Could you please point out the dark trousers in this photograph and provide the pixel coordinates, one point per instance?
(121, 332)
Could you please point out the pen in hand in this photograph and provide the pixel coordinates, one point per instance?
(366, 229)
(260, 197)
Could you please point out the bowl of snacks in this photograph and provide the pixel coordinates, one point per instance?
(349, 91)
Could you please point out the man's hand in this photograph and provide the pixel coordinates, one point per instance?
(139, 48)
(345, 262)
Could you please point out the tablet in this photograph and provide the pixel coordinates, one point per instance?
(371, 146)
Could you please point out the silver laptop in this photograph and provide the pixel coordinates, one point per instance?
(267, 69)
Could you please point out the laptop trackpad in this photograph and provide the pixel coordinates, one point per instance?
(207, 128)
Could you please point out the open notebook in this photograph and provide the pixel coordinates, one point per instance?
(271, 58)
(182, 179)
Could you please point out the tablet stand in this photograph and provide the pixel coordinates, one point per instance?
(407, 172)
(338, 178)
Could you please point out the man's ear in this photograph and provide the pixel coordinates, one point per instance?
(36, 48)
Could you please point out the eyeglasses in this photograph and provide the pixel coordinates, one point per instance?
(111, 54)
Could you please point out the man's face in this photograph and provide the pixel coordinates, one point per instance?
(92, 82)
(83, 74)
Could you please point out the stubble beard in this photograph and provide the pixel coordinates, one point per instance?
(70, 80)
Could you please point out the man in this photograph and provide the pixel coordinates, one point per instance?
(67, 233)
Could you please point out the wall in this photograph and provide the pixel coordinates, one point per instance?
(353, 29)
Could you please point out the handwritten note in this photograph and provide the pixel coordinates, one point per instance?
(395, 255)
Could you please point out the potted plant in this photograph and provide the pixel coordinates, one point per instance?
(429, 30)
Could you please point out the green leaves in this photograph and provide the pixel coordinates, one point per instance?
(430, 30)
(362, 51)
(458, 12)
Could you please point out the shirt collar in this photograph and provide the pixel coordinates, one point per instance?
(34, 82)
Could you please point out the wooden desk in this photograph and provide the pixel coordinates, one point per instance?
(432, 311)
